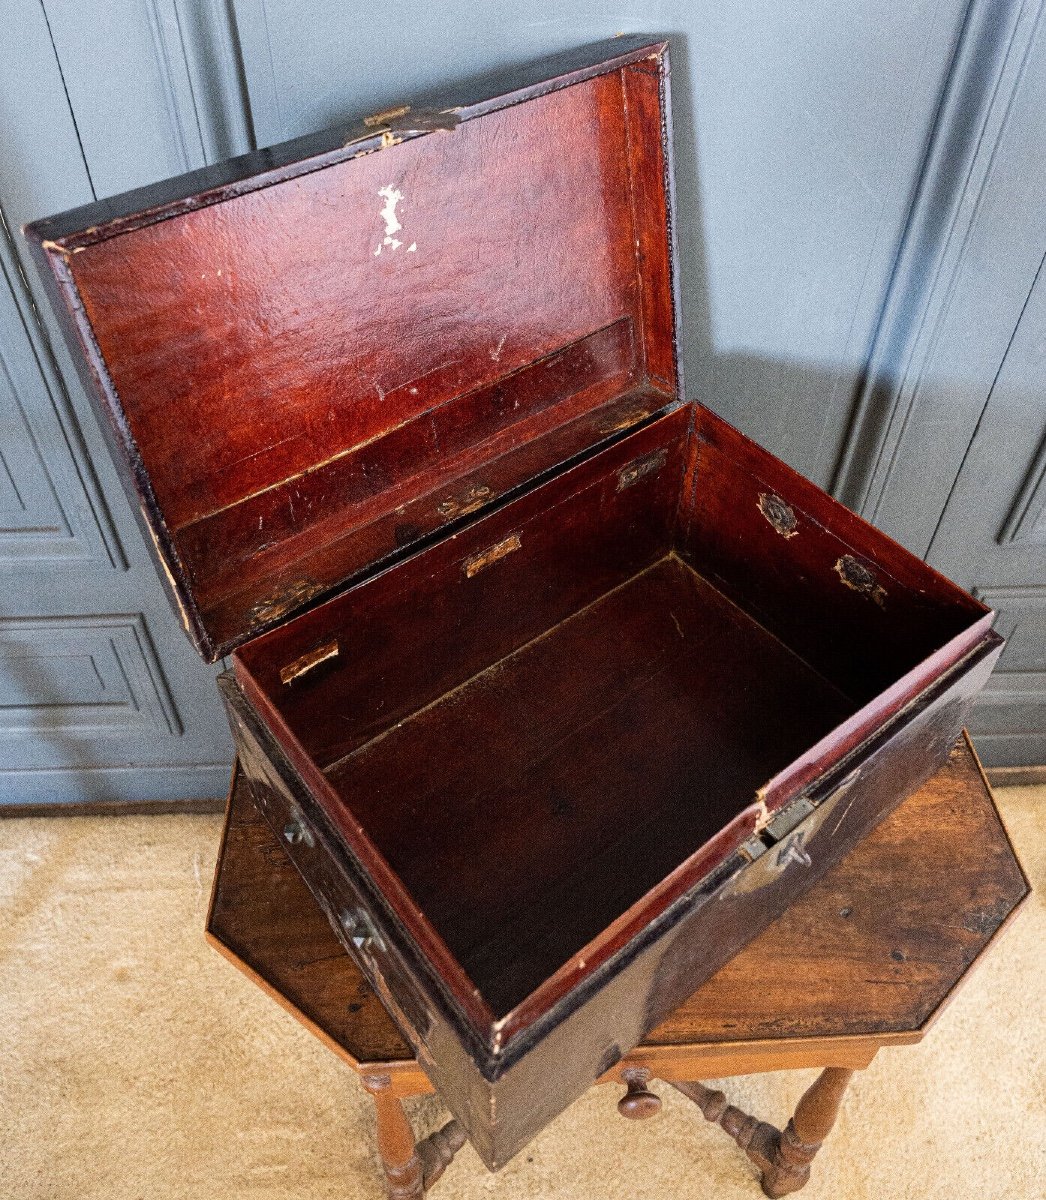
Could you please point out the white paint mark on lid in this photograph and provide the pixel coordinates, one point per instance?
(392, 197)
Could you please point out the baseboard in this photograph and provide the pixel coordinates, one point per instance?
(107, 791)
(1001, 777)
(113, 808)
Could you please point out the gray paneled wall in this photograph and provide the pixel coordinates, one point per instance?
(101, 698)
(837, 171)
(949, 453)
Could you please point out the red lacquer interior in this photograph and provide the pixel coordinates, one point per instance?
(319, 372)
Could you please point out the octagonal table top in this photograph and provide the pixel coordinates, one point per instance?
(873, 950)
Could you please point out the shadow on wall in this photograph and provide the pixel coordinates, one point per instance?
(799, 400)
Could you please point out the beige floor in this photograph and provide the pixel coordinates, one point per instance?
(134, 1062)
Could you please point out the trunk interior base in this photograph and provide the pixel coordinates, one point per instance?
(551, 791)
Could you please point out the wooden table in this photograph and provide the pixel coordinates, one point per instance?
(866, 959)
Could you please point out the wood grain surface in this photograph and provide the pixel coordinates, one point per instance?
(874, 949)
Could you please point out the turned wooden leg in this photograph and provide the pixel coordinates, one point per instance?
(411, 1167)
(396, 1146)
(783, 1157)
(756, 1138)
(437, 1151)
(814, 1117)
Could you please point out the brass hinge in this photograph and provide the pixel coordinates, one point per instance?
(485, 558)
(788, 818)
(649, 464)
(394, 124)
(383, 118)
